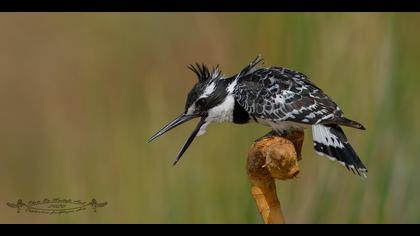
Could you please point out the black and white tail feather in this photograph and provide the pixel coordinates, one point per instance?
(331, 142)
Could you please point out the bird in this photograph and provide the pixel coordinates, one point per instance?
(283, 99)
(95, 204)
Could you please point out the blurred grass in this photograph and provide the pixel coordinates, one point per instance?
(81, 93)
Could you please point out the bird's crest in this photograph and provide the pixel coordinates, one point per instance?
(251, 66)
(203, 73)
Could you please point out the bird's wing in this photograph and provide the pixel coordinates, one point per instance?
(12, 205)
(280, 94)
(101, 204)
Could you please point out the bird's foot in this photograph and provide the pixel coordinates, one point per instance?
(268, 135)
(295, 136)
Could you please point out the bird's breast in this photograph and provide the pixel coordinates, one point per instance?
(222, 112)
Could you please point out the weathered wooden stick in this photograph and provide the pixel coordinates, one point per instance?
(271, 158)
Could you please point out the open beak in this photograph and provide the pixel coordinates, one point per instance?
(177, 121)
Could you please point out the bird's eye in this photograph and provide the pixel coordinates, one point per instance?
(201, 102)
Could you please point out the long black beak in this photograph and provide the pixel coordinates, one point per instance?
(177, 121)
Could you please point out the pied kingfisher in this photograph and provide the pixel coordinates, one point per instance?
(277, 97)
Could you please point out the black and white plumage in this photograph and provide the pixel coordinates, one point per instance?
(277, 97)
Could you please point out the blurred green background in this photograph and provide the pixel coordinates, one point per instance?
(80, 93)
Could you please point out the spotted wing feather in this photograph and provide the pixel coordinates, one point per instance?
(280, 94)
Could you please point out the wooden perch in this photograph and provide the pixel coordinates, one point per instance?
(273, 157)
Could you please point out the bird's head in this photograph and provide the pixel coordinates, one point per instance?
(210, 100)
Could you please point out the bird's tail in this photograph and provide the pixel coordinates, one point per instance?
(330, 141)
(349, 123)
